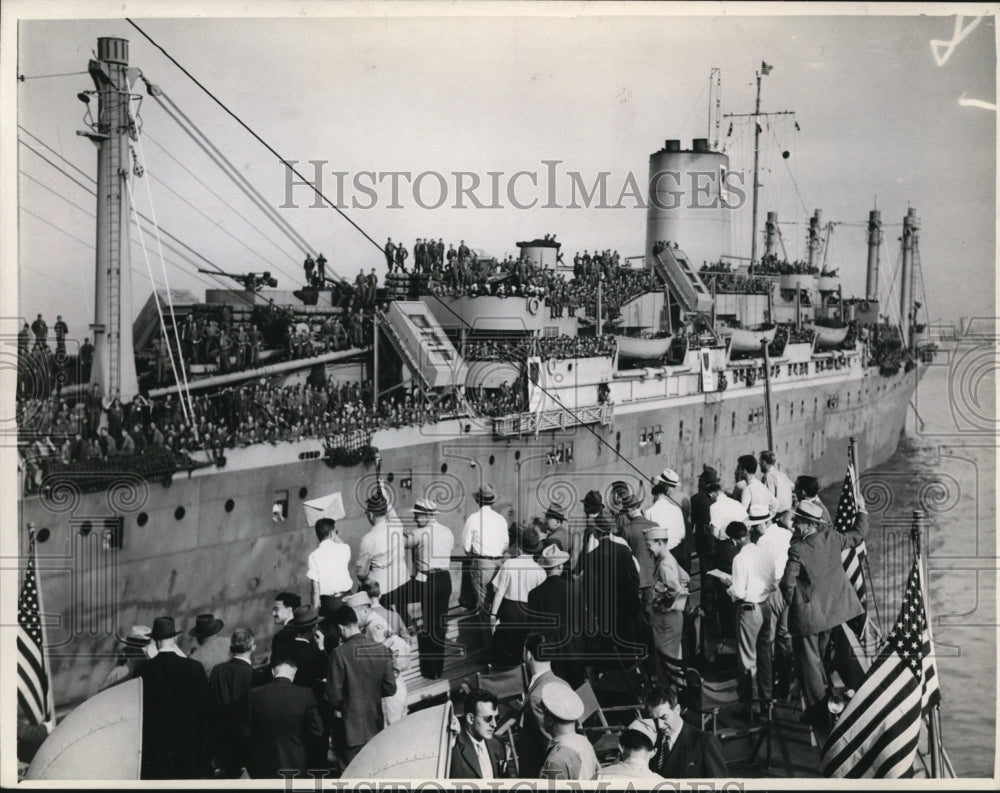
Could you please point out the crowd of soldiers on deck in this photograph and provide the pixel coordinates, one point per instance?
(560, 597)
(545, 347)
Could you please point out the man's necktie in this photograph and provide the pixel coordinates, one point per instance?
(661, 757)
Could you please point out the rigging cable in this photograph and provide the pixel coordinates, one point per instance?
(156, 299)
(259, 139)
(233, 209)
(237, 178)
(163, 266)
(174, 238)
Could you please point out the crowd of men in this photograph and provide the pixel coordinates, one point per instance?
(560, 596)
(546, 347)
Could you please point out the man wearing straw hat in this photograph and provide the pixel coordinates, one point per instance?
(432, 544)
(484, 538)
(382, 555)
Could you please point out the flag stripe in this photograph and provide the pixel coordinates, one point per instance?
(878, 733)
(34, 694)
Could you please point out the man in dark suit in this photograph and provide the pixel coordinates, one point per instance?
(725, 552)
(284, 721)
(556, 615)
(360, 675)
(476, 753)
(282, 613)
(610, 586)
(230, 684)
(176, 707)
(820, 597)
(682, 751)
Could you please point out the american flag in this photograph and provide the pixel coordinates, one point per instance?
(877, 734)
(33, 693)
(853, 558)
(765, 68)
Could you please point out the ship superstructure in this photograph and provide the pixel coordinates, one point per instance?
(545, 398)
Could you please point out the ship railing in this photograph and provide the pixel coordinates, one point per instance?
(558, 419)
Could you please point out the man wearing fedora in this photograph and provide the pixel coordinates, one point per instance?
(609, 583)
(137, 648)
(484, 539)
(667, 495)
(432, 545)
(211, 647)
(556, 532)
(176, 710)
(382, 556)
(556, 614)
(820, 598)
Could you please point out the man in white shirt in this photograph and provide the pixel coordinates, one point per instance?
(773, 542)
(666, 514)
(327, 567)
(752, 584)
(749, 489)
(724, 510)
(776, 481)
(484, 538)
(382, 556)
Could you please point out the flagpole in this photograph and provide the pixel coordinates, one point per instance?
(934, 746)
(870, 589)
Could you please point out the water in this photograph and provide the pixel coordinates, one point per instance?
(947, 466)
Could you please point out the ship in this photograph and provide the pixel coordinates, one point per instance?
(222, 529)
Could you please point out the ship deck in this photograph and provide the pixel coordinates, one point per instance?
(784, 748)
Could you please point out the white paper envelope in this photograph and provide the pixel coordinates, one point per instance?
(331, 506)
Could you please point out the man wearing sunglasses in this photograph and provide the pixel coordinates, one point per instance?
(476, 753)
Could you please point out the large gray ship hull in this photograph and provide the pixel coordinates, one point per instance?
(210, 542)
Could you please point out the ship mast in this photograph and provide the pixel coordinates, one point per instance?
(114, 358)
(765, 69)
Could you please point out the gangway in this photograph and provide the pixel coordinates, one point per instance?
(672, 265)
(422, 344)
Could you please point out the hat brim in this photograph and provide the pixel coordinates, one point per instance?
(158, 637)
(309, 623)
(547, 563)
(204, 634)
(136, 641)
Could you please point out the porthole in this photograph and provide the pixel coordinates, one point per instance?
(179, 513)
(492, 459)
(303, 492)
(230, 504)
(444, 468)
(42, 535)
(517, 455)
(85, 528)
(142, 519)
(468, 428)
(569, 367)
(390, 477)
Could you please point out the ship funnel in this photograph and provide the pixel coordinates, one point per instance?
(689, 204)
(113, 50)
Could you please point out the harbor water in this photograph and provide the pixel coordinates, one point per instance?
(946, 465)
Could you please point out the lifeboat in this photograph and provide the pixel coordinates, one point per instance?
(748, 339)
(828, 337)
(417, 746)
(643, 349)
